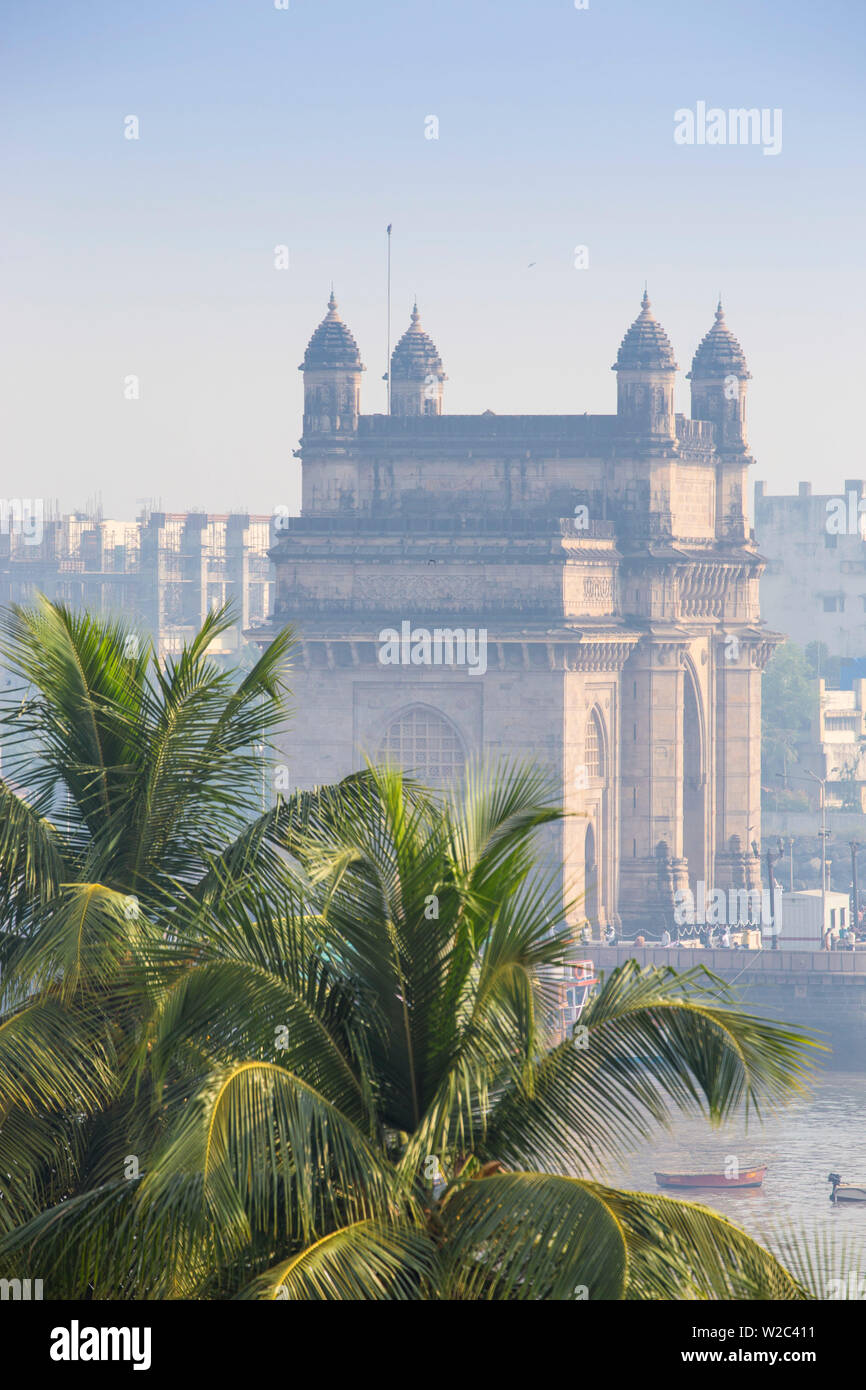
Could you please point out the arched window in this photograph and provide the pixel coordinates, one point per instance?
(425, 744)
(594, 750)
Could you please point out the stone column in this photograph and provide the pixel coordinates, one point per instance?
(238, 570)
(194, 562)
(740, 657)
(651, 781)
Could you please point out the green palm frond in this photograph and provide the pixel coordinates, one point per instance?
(651, 1043)
(31, 858)
(200, 776)
(231, 1008)
(107, 1244)
(366, 1261)
(827, 1263)
(56, 1067)
(681, 1250)
(52, 1057)
(531, 1236)
(493, 828)
(268, 1153)
(87, 936)
(82, 695)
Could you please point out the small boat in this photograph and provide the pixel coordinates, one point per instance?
(845, 1191)
(582, 979)
(746, 1177)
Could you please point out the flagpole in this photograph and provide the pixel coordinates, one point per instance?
(388, 362)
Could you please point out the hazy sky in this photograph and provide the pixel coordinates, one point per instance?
(261, 126)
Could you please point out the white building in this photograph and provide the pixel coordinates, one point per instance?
(842, 740)
(800, 923)
(814, 584)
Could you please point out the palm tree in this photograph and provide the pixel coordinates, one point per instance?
(126, 782)
(315, 1061)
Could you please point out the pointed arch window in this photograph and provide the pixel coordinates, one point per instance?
(594, 748)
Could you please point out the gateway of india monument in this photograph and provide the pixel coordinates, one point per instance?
(603, 575)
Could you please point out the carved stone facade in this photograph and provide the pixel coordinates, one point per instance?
(608, 562)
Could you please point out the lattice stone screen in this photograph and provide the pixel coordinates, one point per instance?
(425, 744)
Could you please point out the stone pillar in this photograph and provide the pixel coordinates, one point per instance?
(150, 584)
(738, 867)
(652, 784)
(238, 569)
(739, 657)
(732, 522)
(194, 568)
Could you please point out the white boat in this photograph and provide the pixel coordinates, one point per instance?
(845, 1191)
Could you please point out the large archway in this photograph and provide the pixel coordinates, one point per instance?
(694, 785)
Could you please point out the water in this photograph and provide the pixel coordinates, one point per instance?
(825, 1132)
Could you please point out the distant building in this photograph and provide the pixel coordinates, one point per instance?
(842, 742)
(162, 573)
(814, 585)
(605, 561)
(801, 924)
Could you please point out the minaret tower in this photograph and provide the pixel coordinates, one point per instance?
(646, 372)
(718, 376)
(332, 378)
(416, 373)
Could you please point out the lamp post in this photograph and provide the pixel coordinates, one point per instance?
(771, 860)
(854, 846)
(824, 834)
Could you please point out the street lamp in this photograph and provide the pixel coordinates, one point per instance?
(771, 860)
(854, 846)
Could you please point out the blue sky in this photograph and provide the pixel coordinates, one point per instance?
(261, 127)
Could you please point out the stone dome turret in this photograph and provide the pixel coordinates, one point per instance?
(332, 344)
(646, 345)
(719, 353)
(415, 357)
